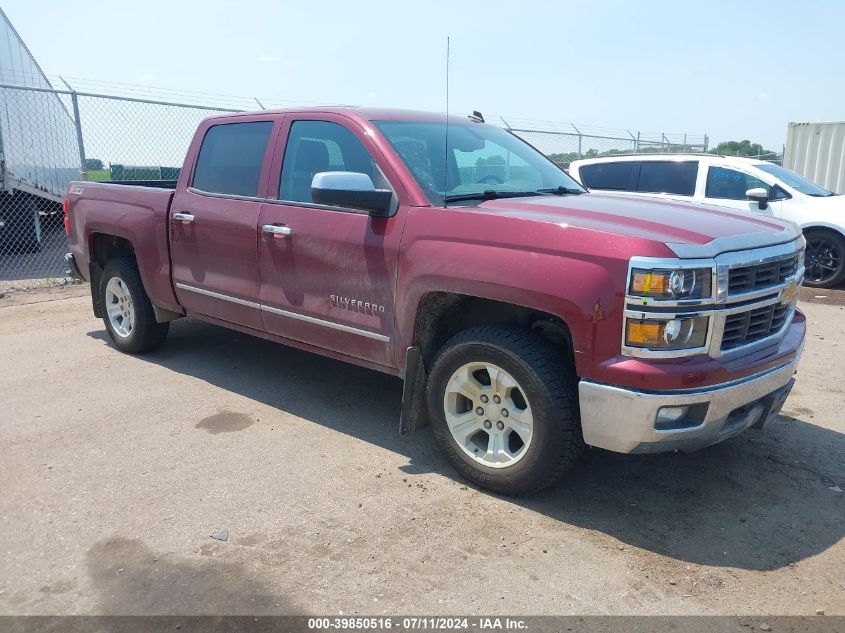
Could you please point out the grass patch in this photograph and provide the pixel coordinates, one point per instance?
(98, 175)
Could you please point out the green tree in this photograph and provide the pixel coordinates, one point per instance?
(492, 160)
(93, 164)
(744, 148)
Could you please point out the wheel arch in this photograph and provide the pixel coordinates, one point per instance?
(823, 226)
(441, 315)
(106, 246)
(102, 248)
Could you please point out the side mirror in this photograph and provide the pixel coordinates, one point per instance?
(352, 190)
(760, 196)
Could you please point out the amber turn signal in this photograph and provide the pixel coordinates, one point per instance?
(649, 283)
(669, 334)
(677, 284)
(645, 333)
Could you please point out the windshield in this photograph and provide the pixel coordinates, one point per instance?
(482, 162)
(791, 179)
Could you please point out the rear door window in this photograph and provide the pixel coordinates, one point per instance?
(675, 177)
(613, 176)
(231, 157)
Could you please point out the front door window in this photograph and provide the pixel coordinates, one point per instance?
(729, 184)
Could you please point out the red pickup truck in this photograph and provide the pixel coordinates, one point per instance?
(528, 317)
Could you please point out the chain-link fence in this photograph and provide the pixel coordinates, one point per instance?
(563, 147)
(49, 137)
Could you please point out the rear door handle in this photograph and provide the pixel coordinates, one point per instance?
(185, 218)
(276, 231)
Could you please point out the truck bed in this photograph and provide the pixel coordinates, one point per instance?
(135, 211)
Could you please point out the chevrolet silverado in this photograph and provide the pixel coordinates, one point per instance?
(528, 317)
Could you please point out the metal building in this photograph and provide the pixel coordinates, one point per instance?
(817, 151)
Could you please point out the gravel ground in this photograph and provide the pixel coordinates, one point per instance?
(118, 472)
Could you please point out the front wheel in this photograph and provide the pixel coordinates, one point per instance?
(127, 311)
(824, 258)
(503, 408)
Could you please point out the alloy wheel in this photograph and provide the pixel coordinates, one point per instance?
(120, 307)
(488, 414)
(823, 259)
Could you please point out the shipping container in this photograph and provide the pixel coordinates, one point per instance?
(38, 144)
(817, 151)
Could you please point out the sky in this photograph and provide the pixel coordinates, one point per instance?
(733, 70)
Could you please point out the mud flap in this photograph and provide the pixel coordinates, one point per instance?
(164, 315)
(96, 274)
(414, 414)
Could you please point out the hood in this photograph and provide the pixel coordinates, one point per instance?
(690, 230)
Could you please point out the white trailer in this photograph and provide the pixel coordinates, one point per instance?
(817, 152)
(39, 153)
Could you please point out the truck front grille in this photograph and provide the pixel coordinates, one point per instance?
(759, 276)
(754, 325)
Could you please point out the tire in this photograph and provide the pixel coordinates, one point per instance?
(533, 382)
(127, 311)
(825, 258)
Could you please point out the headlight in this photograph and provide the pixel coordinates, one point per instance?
(667, 334)
(681, 283)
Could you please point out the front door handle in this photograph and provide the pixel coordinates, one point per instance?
(276, 231)
(184, 218)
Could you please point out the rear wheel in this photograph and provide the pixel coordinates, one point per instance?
(503, 408)
(127, 311)
(824, 259)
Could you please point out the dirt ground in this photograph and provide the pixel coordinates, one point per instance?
(115, 472)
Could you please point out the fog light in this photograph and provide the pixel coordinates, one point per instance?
(666, 416)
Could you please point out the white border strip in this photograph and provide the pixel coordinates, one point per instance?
(285, 313)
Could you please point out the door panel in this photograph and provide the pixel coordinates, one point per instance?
(216, 253)
(330, 280)
(213, 222)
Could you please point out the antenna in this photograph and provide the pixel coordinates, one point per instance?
(446, 145)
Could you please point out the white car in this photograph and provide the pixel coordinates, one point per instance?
(738, 183)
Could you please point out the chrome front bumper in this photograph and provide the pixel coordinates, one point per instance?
(627, 421)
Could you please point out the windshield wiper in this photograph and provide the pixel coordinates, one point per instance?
(489, 194)
(562, 191)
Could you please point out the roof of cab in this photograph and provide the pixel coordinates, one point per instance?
(355, 112)
(725, 160)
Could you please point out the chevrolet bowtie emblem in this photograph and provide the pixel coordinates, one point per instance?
(788, 294)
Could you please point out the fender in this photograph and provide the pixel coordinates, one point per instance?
(140, 220)
(546, 267)
(809, 226)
